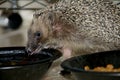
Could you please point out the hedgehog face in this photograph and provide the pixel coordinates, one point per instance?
(41, 31)
(37, 34)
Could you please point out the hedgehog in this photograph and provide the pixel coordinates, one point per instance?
(76, 27)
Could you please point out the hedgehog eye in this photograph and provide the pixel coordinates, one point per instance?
(37, 34)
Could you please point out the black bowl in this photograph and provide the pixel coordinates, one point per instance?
(76, 65)
(16, 64)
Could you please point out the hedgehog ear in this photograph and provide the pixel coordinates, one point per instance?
(55, 21)
(51, 17)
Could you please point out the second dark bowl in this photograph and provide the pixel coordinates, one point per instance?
(76, 65)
